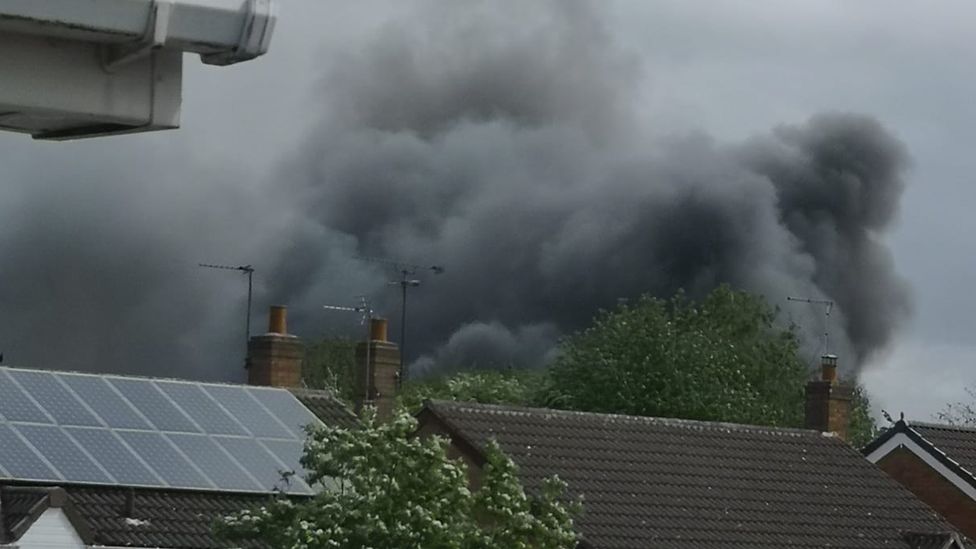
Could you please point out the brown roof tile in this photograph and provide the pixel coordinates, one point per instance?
(956, 442)
(158, 518)
(326, 407)
(664, 483)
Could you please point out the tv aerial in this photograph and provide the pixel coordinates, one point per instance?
(365, 310)
(405, 280)
(249, 271)
(828, 306)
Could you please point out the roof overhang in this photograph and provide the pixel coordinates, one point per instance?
(74, 69)
(901, 435)
(221, 31)
(46, 498)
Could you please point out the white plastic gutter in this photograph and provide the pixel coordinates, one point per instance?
(221, 31)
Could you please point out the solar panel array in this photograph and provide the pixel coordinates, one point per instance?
(111, 430)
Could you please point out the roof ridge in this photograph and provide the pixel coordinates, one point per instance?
(8, 368)
(675, 422)
(943, 426)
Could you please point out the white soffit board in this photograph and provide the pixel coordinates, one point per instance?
(222, 31)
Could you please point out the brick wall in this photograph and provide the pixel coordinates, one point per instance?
(828, 407)
(384, 368)
(431, 426)
(932, 488)
(275, 361)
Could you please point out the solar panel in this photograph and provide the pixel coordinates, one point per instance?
(15, 405)
(54, 397)
(153, 404)
(164, 459)
(260, 463)
(287, 452)
(19, 460)
(212, 460)
(107, 403)
(241, 405)
(62, 452)
(112, 430)
(201, 408)
(286, 408)
(115, 457)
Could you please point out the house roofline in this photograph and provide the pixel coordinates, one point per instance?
(464, 443)
(52, 498)
(468, 446)
(903, 428)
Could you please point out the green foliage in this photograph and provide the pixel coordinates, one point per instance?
(721, 359)
(518, 387)
(388, 489)
(330, 363)
(863, 429)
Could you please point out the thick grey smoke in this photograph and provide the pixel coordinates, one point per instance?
(500, 139)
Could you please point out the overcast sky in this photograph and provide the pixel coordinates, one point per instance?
(730, 69)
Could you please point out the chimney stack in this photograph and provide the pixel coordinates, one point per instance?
(828, 404)
(377, 376)
(275, 359)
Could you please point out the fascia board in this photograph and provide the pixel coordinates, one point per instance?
(197, 26)
(901, 440)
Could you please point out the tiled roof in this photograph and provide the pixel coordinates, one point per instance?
(958, 443)
(942, 540)
(663, 483)
(326, 407)
(18, 508)
(951, 445)
(120, 517)
(158, 518)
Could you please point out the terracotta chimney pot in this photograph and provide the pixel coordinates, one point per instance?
(275, 359)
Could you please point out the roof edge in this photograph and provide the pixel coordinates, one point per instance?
(52, 498)
(677, 422)
(465, 444)
(902, 427)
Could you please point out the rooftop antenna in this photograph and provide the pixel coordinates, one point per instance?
(405, 272)
(366, 310)
(249, 271)
(828, 306)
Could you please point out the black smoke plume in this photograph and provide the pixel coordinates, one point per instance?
(502, 140)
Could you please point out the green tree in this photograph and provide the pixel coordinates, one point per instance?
(388, 489)
(721, 359)
(330, 363)
(863, 428)
(518, 387)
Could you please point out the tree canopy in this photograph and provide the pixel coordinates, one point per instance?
(718, 359)
(723, 358)
(519, 387)
(389, 489)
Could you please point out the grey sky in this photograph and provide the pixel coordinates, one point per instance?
(730, 69)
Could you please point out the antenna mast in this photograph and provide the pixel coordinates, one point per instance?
(404, 271)
(366, 310)
(828, 306)
(249, 271)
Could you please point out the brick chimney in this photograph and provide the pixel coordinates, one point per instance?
(380, 360)
(828, 403)
(275, 359)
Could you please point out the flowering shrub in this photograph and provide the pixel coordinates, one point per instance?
(384, 488)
